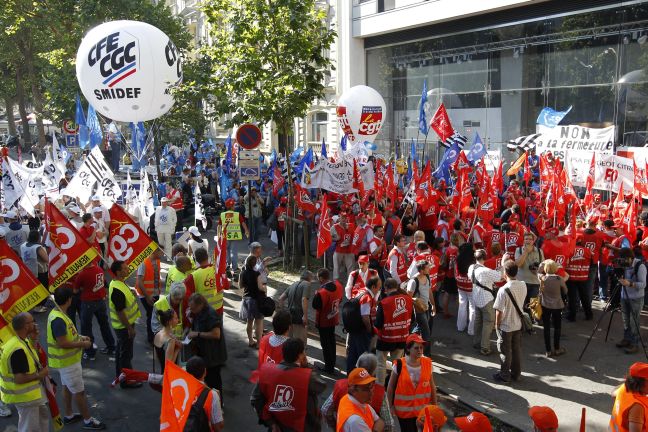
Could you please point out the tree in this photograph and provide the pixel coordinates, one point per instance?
(268, 59)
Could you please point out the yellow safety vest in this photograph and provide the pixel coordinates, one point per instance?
(132, 309)
(174, 275)
(232, 220)
(9, 390)
(164, 305)
(61, 357)
(205, 283)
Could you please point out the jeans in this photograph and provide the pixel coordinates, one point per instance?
(232, 253)
(578, 291)
(255, 229)
(381, 372)
(75, 308)
(509, 346)
(358, 344)
(466, 312)
(327, 341)
(124, 351)
(549, 317)
(631, 315)
(484, 322)
(96, 308)
(603, 275)
(423, 325)
(149, 312)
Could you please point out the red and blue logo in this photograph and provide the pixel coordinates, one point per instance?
(116, 55)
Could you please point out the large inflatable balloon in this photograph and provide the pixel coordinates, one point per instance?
(360, 113)
(126, 68)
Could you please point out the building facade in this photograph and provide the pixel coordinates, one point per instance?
(495, 64)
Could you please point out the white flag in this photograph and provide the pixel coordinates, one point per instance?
(52, 175)
(146, 207)
(31, 180)
(199, 213)
(95, 175)
(12, 190)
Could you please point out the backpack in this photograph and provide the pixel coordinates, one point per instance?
(351, 316)
(197, 420)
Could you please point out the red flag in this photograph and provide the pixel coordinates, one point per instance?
(630, 220)
(498, 178)
(69, 253)
(568, 189)
(379, 186)
(465, 197)
(179, 390)
(441, 123)
(303, 200)
(128, 242)
(617, 201)
(20, 291)
(390, 186)
(461, 165)
(640, 182)
(415, 173)
(277, 182)
(220, 261)
(324, 239)
(424, 189)
(358, 184)
(527, 170)
(589, 184)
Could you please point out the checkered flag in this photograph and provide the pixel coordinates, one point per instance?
(524, 143)
(461, 140)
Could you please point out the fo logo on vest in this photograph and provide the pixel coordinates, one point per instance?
(282, 399)
(335, 308)
(401, 306)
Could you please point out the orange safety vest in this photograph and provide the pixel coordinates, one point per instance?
(347, 408)
(622, 404)
(149, 278)
(409, 401)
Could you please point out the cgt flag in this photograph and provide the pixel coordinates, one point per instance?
(440, 123)
(69, 253)
(179, 391)
(20, 291)
(324, 239)
(128, 242)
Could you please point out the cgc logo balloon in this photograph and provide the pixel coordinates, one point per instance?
(360, 113)
(126, 68)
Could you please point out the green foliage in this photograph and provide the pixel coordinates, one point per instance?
(267, 57)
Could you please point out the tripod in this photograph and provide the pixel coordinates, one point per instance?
(609, 308)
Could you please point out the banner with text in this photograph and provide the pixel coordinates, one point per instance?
(337, 176)
(69, 253)
(609, 172)
(563, 139)
(12, 189)
(128, 242)
(95, 177)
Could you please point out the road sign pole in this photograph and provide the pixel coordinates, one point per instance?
(251, 227)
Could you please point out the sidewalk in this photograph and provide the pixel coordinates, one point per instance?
(564, 384)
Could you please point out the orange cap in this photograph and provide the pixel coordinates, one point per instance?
(474, 422)
(544, 418)
(414, 337)
(360, 376)
(639, 370)
(436, 415)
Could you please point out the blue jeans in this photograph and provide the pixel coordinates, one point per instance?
(358, 344)
(255, 229)
(232, 253)
(423, 326)
(97, 308)
(603, 275)
(631, 315)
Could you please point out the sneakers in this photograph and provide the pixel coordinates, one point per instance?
(93, 424)
(4, 410)
(560, 351)
(75, 417)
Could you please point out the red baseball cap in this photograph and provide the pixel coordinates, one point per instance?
(414, 337)
(363, 259)
(639, 370)
(474, 422)
(544, 418)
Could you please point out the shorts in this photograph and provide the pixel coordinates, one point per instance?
(71, 377)
(250, 309)
(450, 286)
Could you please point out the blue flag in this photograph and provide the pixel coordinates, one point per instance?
(449, 157)
(94, 128)
(80, 120)
(423, 126)
(413, 151)
(306, 160)
(549, 117)
(228, 154)
(343, 143)
(294, 156)
(477, 151)
(324, 156)
(273, 157)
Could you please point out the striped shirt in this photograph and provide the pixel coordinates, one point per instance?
(486, 277)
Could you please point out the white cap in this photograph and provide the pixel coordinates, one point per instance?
(74, 208)
(95, 198)
(11, 214)
(97, 210)
(164, 199)
(194, 230)
(65, 192)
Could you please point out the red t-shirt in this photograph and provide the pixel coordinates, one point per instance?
(90, 282)
(86, 232)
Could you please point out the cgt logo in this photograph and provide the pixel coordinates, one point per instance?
(115, 58)
(370, 120)
(283, 398)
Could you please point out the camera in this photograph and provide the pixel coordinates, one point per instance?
(534, 267)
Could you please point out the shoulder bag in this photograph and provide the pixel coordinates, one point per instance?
(527, 324)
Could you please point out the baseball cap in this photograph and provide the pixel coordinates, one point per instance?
(164, 199)
(639, 370)
(95, 198)
(436, 415)
(360, 376)
(74, 208)
(363, 259)
(416, 338)
(97, 210)
(544, 418)
(194, 230)
(361, 215)
(11, 214)
(474, 422)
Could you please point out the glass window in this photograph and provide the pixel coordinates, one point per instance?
(318, 125)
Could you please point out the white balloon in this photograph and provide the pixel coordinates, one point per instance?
(360, 113)
(126, 68)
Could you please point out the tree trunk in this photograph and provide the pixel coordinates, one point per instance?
(37, 95)
(11, 121)
(22, 107)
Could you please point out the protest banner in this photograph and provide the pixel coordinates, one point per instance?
(128, 242)
(12, 189)
(95, 177)
(609, 170)
(561, 140)
(337, 176)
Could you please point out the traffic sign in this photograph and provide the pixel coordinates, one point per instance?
(70, 127)
(71, 141)
(248, 136)
(249, 169)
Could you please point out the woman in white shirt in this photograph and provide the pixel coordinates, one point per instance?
(196, 241)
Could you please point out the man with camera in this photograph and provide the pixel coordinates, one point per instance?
(630, 274)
